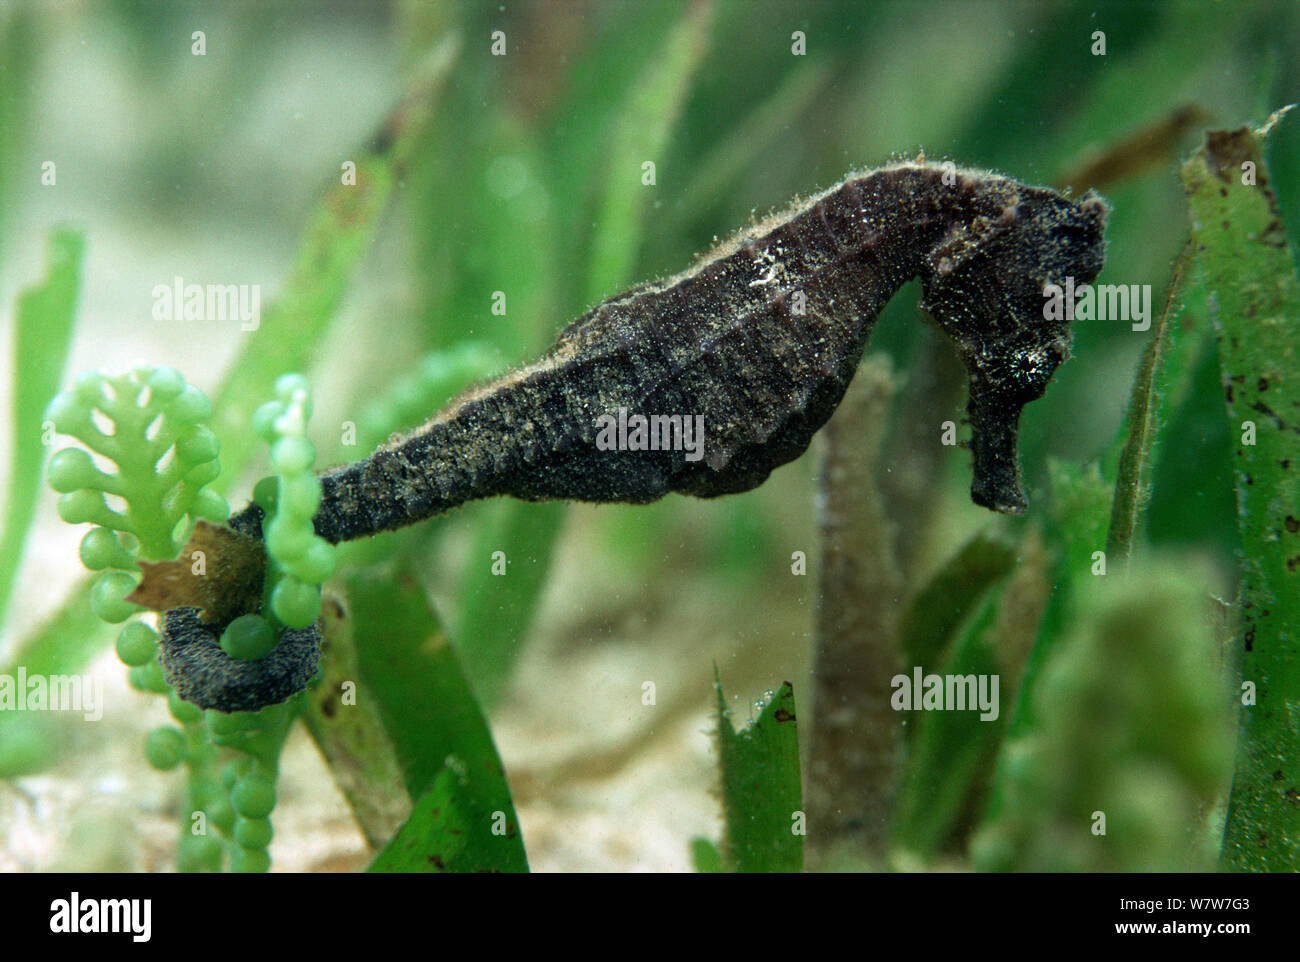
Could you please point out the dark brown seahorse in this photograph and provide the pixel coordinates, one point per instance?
(761, 337)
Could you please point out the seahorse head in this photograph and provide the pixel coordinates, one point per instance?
(989, 285)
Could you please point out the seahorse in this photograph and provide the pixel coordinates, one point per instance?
(760, 337)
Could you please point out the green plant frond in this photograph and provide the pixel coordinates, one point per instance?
(153, 413)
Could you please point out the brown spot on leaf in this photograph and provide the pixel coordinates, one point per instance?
(1292, 523)
(1268, 412)
(1227, 150)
